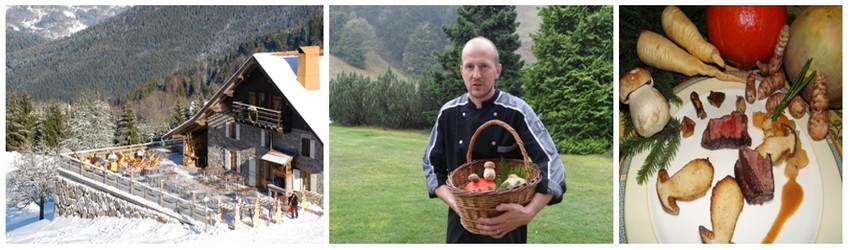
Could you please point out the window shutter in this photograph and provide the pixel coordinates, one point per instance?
(237, 131)
(238, 163)
(226, 160)
(313, 149)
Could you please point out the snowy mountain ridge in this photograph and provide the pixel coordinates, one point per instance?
(54, 22)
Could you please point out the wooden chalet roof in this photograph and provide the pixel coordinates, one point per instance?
(312, 105)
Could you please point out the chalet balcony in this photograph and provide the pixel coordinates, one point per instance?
(258, 116)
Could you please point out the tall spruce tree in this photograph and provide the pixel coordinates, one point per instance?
(127, 132)
(177, 115)
(418, 56)
(54, 126)
(497, 23)
(570, 86)
(20, 123)
(13, 135)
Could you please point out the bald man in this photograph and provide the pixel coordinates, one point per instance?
(449, 141)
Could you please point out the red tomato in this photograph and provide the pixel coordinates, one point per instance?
(745, 34)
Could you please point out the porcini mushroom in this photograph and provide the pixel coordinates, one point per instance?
(489, 170)
(649, 109)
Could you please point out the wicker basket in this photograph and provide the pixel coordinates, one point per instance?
(474, 205)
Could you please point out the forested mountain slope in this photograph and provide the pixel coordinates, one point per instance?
(147, 43)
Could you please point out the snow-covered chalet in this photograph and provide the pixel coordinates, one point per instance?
(268, 123)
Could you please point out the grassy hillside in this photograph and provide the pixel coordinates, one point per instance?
(375, 66)
(529, 23)
(378, 193)
(528, 20)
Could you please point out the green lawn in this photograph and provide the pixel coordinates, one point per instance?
(378, 193)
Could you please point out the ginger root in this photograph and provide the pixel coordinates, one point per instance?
(750, 89)
(778, 54)
(819, 106)
(771, 84)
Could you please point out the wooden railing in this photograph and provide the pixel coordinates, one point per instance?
(193, 207)
(258, 116)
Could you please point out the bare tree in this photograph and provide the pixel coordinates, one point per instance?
(32, 180)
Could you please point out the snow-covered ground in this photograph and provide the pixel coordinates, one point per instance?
(23, 226)
(308, 228)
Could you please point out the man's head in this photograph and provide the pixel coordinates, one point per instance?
(480, 68)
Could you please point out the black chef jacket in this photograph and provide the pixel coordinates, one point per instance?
(449, 141)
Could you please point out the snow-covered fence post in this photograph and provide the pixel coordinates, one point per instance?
(278, 214)
(237, 218)
(132, 182)
(257, 211)
(206, 212)
(218, 212)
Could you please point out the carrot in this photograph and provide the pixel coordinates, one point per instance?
(681, 30)
(659, 52)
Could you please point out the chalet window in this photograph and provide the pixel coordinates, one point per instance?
(232, 130)
(265, 135)
(252, 98)
(308, 148)
(262, 102)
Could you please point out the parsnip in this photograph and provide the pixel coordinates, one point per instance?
(681, 30)
(659, 52)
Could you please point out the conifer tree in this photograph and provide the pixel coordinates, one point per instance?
(177, 115)
(127, 132)
(54, 126)
(91, 124)
(497, 23)
(570, 86)
(20, 123)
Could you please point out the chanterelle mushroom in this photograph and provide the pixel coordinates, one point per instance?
(649, 109)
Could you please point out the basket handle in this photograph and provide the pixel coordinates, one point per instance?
(506, 127)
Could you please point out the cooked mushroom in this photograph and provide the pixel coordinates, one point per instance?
(779, 147)
(740, 104)
(698, 105)
(649, 109)
(689, 183)
(687, 127)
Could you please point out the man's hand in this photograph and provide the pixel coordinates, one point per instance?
(513, 216)
(443, 192)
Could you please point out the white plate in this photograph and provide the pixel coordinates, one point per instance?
(814, 221)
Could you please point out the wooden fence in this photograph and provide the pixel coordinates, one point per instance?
(193, 207)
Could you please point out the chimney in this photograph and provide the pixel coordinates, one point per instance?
(308, 66)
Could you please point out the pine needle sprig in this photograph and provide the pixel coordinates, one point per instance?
(662, 148)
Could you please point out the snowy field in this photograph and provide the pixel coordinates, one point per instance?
(23, 227)
(307, 229)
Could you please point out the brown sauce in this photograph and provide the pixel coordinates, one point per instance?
(792, 197)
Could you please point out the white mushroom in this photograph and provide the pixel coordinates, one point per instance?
(649, 109)
(489, 170)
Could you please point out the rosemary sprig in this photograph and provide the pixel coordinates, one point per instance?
(662, 148)
(802, 80)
